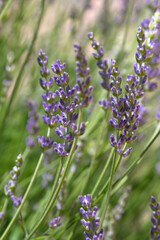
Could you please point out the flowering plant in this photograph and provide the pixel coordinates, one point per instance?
(83, 139)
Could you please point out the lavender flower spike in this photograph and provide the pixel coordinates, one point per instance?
(32, 124)
(10, 188)
(152, 45)
(155, 219)
(90, 222)
(83, 87)
(104, 72)
(65, 121)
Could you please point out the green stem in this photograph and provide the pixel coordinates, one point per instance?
(57, 190)
(17, 82)
(23, 225)
(25, 195)
(106, 199)
(120, 158)
(5, 9)
(54, 187)
(24, 198)
(103, 172)
(5, 205)
(139, 159)
(55, 193)
(118, 183)
(91, 167)
(6, 177)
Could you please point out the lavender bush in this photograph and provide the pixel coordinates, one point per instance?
(84, 135)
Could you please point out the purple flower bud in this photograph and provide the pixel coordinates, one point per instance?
(44, 72)
(113, 141)
(87, 225)
(56, 222)
(127, 152)
(58, 68)
(16, 200)
(82, 128)
(45, 143)
(60, 131)
(104, 104)
(145, 23)
(97, 222)
(85, 200)
(1, 216)
(90, 35)
(60, 149)
(83, 212)
(152, 86)
(19, 160)
(41, 54)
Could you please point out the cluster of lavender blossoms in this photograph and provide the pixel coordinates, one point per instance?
(90, 222)
(152, 45)
(105, 70)
(10, 188)
(61, 105)
(32, 124)
(155, 230)
(125, 104)
(83, 87)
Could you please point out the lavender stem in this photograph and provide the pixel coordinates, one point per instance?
(26, 194)
(103, 172)
(107, 196)
(55, 194)
(5, 9)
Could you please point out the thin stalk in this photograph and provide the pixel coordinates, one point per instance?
(117, 184)
(23, 225)
(139, 159)
(5, 8)
(120, 158)
(103, 172)
(61, 180)
(7, 178)
(106, 199)
(94, 157)
(57, 190)
(107, 182)
(54, 186)
(4, 210)
(147, 125)
(17, 82)
(6, 232)
(41, 171)
(24, 199)
(5, 205)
